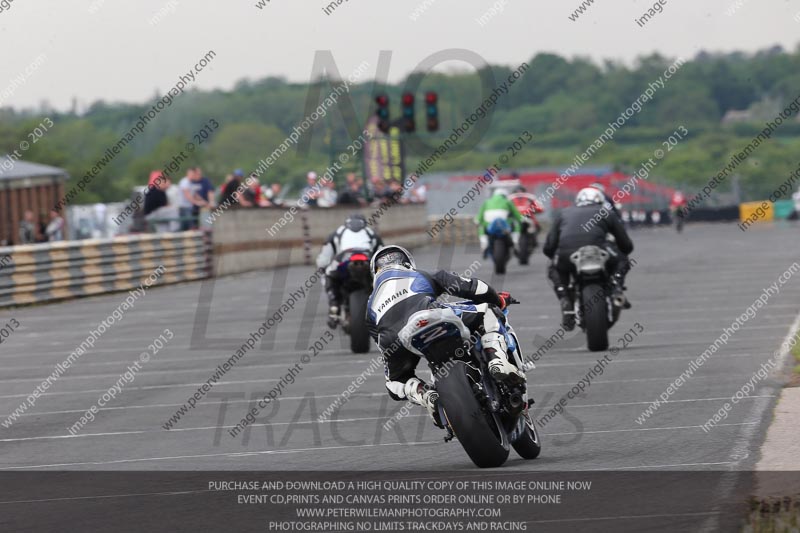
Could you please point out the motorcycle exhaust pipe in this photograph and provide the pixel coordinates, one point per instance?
(618, 300)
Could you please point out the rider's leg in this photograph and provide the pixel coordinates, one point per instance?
(559, 273)
(618, 265)
(488, 321)
(515, 239)
(333, 290)
(403, 384)
(483, 240)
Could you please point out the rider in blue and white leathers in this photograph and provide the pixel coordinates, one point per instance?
(400, 290)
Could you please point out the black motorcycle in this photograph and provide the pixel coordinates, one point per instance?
(598, 302)
(527, 241)
(487, 416)
(356, 284)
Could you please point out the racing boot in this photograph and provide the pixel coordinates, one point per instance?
(515, 243)
(333, 305)
(419, 393)
(484, 244)
(333, 316)
(567, 308)
(494, 346)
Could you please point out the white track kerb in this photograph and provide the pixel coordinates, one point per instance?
(62, 367)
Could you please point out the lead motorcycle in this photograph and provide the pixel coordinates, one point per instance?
(356, 286)
(487, 417)
(529, 207)
(597, 302)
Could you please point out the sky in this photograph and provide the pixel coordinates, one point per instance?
(126, 51)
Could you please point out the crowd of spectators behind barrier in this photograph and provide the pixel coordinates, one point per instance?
(195, 192)
(164, 206)
(47, 229)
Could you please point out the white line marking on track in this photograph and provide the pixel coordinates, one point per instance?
(356, 395)
(244, 381)
(304, 422)
(228, 454)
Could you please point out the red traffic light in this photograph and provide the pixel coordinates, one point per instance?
(382, 100)
(431, 97)
(408, 99)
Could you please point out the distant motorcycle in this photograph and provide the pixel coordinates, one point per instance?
(597, 306)
(487, 416)
(679, 216)
(500, 243)
(356, 279)
(528, 206)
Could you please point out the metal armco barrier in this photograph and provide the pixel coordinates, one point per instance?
(53, 271)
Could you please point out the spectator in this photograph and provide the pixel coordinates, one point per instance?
(157, 208)
(205, 190)
(419, 193)
(251, 197)
(187, 199)
(191, 199)
(273, 195)
(311, 191)
(351, 193)
(381, 191)
(55, 229)
(229, 195)
(27, 228)
(155, 196)
(396, 193)
(327, 194)
(42, 235)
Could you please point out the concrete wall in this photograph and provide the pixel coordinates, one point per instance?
(242, 239)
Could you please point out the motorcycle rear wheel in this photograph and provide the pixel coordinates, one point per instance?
(595, 317)
(500, 255)
(359, 333)
(482, 437)
(526, 245)
(528, 446)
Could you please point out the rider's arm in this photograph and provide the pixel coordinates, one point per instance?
(551, 243)
(479, 216)
(328, 251)
(325, 255)
(616, 228)
(472, 288)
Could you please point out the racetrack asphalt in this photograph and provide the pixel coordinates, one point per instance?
(685, 289)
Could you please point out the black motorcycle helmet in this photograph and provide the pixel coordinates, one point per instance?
(355, 222)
